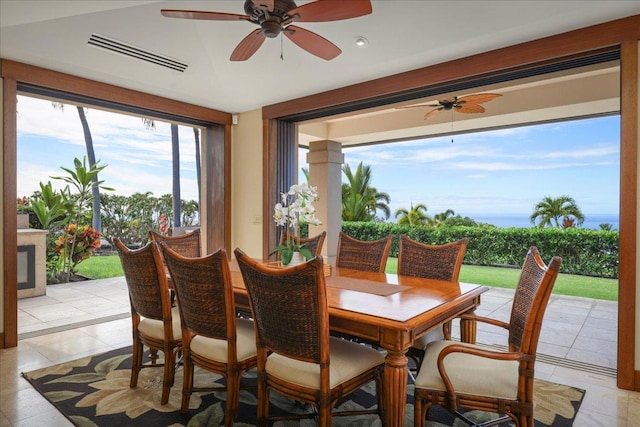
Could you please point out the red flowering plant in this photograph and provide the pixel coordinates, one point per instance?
(75, 244)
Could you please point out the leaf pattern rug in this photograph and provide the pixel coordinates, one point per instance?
(94, 391)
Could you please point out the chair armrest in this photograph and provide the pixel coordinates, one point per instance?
(457, 348)
(488, 320)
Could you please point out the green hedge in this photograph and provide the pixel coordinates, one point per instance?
(585, 252)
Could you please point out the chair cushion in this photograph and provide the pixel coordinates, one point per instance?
(216, 349)
(469, 374)
(431, 336)
(153, 328)
(347, 360)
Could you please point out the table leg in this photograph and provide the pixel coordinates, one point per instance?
(468, 331)
(396, 370)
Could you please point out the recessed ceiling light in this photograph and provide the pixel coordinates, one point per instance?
(361, 41)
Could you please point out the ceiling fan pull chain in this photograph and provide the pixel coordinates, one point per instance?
(281, 47)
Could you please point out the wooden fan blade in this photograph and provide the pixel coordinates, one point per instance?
(432, 113)
(469, 108)
(325, 10)
(479, 98)
(268, 4)
(312, 42)
(208, 16)
(248, 46)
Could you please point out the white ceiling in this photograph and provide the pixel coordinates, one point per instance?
(403, 35)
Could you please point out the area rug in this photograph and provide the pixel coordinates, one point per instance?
(94, 391)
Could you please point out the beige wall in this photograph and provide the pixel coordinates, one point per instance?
(246, 184)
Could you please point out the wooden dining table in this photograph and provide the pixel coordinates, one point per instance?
(392, 311)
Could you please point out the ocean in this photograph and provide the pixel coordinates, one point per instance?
(522, 220)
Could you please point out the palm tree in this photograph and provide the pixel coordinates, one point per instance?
(605, 226)
(552, 211)
(441, 218)
(196, 138)
(175, 155)
(361, 201)
(175, 166)
(96, 221)
(417, 215)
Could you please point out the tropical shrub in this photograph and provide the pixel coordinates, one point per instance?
(130, 218)
(584, 252)
(75, 244)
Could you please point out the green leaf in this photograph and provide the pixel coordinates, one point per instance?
(286, 256)
(306, 253)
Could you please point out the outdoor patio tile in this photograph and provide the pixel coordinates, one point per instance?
(610, 306)
(54, 312)
(553, 350)
(608, 361)
(606, 324)
(574, 315)
(544, 371)
(64, 294)
(566, 301)
(26, 319)
(561, 338)
(594, 345)
(609, 336)
(489, 338)
(26, 303)
(553, 326)
(604, 315)
(96, 304)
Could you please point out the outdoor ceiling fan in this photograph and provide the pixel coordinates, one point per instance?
(276, 17)
(464, 104)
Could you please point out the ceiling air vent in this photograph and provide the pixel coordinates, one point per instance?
(136, 52)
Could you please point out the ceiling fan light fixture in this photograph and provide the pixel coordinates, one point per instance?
(361, 42)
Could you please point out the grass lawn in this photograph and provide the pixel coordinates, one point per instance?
(566, 284)
(105, 266)
(101, 267)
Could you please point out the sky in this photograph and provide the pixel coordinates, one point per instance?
(502, 172)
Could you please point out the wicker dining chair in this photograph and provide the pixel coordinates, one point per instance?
(314, 244)
(440, 262)
(361, 254)
(296, 356)
(187, 244)
(213, 338)
(467, 376)
(154, 322)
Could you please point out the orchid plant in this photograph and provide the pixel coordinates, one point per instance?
(295, 208)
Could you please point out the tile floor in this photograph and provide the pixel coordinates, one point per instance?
(577, 347)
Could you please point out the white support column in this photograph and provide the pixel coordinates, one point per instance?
(325, 160)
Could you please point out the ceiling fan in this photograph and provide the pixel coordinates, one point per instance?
(464, 104)
(276, 17)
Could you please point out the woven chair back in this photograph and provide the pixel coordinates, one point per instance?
(146, 280)
(441, 262)
(289, 307)
(363, 255)
(204, 291)
(530, 301)
(187, 245)
(314, 244)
